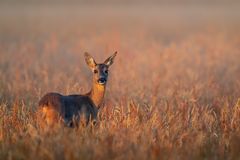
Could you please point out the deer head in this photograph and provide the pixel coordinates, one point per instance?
(99, 70)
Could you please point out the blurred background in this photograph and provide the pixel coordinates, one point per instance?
(159, 17)
(160, 43)
(173, 90)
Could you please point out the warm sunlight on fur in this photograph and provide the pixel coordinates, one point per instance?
(56, 107)
(172, 92)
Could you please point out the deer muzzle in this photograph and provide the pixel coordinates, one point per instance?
(102, 81)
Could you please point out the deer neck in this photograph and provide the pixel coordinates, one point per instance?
(97, 94)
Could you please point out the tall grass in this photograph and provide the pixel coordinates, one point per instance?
(172, 93)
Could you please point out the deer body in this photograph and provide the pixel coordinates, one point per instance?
(72, 109)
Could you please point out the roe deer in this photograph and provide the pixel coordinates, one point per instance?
(71, 109)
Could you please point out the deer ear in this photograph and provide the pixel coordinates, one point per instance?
(89, 60)
(109, 60)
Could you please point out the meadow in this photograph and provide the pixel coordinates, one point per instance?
(173, 90)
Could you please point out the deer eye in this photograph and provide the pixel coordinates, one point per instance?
(106, 71)
(95, 71)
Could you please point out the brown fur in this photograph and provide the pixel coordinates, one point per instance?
(72, 109)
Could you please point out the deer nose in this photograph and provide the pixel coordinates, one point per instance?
(102, 80)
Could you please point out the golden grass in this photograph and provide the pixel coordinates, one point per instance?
(172, 94)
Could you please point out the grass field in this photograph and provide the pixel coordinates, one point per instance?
(173, 92)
